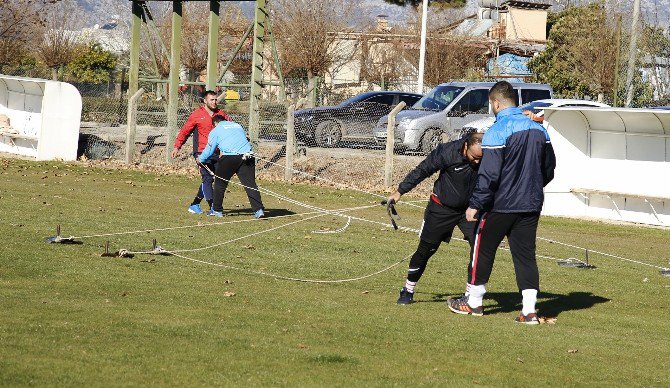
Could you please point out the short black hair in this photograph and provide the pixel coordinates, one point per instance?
(207, 93)
(503, 91)
(217, 119)
(474, 138)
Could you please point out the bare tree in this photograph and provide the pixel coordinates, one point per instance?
(452, 58)
(310, 34)
(19, 20)
(195, 28)
(232, 28)
(60, 36)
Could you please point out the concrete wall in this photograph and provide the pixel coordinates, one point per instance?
(525, 24)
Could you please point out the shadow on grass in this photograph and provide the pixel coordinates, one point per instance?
(269, 213)
(548, 304)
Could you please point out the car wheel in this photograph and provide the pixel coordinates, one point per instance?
(328, 134)
(430, 140)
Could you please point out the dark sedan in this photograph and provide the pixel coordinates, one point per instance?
(353, 119)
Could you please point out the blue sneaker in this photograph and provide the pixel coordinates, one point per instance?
(406, 297)
(259, 213)
(195, 209)
(214, 213)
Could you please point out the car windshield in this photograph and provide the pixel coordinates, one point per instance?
(438, 98)
(351, 100)
(535, 106)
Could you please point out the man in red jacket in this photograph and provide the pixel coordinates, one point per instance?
(200, 121)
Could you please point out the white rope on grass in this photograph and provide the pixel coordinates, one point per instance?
(340, 230)
(188, 226)
(601, 253)
(246, 236)
(281, 277)
(321, 214)
(217, 223)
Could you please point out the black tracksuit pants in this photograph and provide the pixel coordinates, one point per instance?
(438, 226)
(226, 167)
(521, 230)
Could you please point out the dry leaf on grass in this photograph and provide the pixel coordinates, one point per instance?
(302, 346)
(228, 294)
(547, 320)
(572, 351)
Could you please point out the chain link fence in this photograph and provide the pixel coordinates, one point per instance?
(335, 140)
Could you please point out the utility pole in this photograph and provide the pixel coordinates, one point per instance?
(422, 50)
(213, 44)
(632, 53)
(615, 98)
(173, 84)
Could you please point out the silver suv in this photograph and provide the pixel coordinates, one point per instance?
(444, 111)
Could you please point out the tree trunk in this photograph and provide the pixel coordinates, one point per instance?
(311, 93)
(54, 73)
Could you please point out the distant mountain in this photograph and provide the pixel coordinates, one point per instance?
(101, 11)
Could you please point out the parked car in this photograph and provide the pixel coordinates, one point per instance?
(353, 119)
(536, 107)
(445, 109)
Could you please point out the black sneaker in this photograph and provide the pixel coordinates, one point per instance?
(461, 306)
(530, 319)
(406, 297)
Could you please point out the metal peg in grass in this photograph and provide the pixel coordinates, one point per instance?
(157, 249)
(58, 239)
(576, 263)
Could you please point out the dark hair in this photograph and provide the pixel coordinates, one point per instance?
(217, 119)
(474, 139)
(207, 93)
(503, 91)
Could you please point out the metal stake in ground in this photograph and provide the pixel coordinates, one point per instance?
(58, 239)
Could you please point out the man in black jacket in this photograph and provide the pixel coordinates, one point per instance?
(457, 162)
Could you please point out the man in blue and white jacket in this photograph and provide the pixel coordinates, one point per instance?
(235, 158)
(518, 161)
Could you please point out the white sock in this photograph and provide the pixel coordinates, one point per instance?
(410, 286)
(476, 295)
(529, 299)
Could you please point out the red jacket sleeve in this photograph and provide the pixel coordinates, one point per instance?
(186, 130)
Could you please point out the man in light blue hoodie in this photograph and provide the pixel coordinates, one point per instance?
(235, 158)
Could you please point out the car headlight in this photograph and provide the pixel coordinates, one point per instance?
(404, 123)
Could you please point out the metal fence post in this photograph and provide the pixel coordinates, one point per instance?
(290, 143)
(175, 66)
(132, 124)
(390, 143)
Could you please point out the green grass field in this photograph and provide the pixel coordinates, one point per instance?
(71, 317)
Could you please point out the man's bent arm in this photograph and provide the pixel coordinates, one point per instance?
(434, 162)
